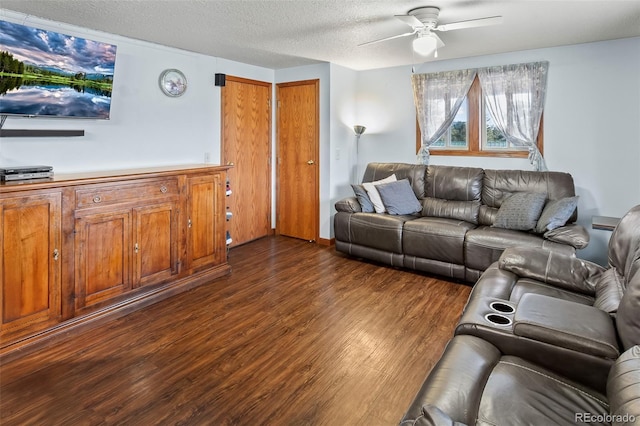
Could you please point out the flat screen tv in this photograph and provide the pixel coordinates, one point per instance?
(48, 74)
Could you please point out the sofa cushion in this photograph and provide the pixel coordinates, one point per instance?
(398, 197)
(462, 210)
(378, 231)
(436, 238)
(416, 174)
(363, 198)
(520, 211)
(374, 195)
(556, 213)
(498, 185)
(454, 183)
(520, 392)
(485, 244)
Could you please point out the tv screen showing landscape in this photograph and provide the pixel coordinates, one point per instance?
(48, 74)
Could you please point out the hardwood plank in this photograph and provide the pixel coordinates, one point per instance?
(297, 334)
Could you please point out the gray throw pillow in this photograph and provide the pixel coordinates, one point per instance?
(361, 194)
(556, 213)
(398, 197)
(520, 211)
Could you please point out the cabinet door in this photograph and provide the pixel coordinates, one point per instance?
(205, 221)
(103, 256)
(30, 265)
(155, 256)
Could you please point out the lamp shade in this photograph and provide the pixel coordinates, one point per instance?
(358, 130)
(425, 45)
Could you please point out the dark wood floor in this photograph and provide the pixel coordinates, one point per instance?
(297, 335)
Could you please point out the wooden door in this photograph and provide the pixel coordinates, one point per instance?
(205, 221)
(246, 144)
(30, 283)
(103, 256)
(297, 169)
(155, 256)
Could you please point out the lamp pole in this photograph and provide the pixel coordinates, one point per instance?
(358, 130)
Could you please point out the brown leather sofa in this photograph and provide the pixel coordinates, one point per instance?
(526, 351)
(453, 235)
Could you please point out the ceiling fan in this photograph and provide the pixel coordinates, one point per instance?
(424, 21)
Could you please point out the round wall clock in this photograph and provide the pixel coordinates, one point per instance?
(173, 82)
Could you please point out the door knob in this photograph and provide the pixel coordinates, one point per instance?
(311, 162)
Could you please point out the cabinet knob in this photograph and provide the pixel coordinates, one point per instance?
(97, 199)
(136, 248)
(189, 223)
(56, 254)
(163, 189)
(311, 162)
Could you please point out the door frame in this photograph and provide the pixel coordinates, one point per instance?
(316, 152)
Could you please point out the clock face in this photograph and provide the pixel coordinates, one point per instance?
(173, 82)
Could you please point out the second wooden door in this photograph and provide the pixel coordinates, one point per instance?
(297, 171)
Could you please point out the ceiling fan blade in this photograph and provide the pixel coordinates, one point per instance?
(472, 23)
(388, 38)
(410, 20)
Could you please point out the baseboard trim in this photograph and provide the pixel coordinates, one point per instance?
(327, 242)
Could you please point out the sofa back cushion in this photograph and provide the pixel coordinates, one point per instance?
(414, 172)
(454, 183)
(461, 210)
(498, 185)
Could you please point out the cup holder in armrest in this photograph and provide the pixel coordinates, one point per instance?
(502, 307)
(498, 319)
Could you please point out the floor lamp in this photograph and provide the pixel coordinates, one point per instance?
(358, 130)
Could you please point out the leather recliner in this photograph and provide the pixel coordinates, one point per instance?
(554, 359)
(473, 383)
(523, 270)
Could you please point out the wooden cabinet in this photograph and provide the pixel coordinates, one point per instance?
(103, 256)
(204, 224)
(30, 240)
(126, 237)
(81, 248)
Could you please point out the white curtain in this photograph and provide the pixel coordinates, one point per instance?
(515, 95)
(438, 97)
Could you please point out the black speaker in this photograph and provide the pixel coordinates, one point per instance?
(221, 79)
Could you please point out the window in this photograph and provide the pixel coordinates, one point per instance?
(473, 132)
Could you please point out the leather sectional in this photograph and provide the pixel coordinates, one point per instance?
(453, 234)
(545, 338)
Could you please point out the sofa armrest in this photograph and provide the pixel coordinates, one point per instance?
(551, 267)
(574, 326)
(574, 235)
(349, 205)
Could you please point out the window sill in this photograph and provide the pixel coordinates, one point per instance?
(464, 153)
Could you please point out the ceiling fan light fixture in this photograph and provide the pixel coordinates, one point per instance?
(425, 45)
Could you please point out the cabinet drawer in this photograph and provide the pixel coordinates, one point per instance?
(119, 193)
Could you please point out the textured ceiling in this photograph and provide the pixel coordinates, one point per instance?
(284, 33)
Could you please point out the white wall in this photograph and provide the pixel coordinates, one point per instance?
(343, 116)
(146, 127)
(591, 123)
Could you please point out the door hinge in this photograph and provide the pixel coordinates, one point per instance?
(279, 104)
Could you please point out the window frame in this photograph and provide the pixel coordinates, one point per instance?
(474, 117)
